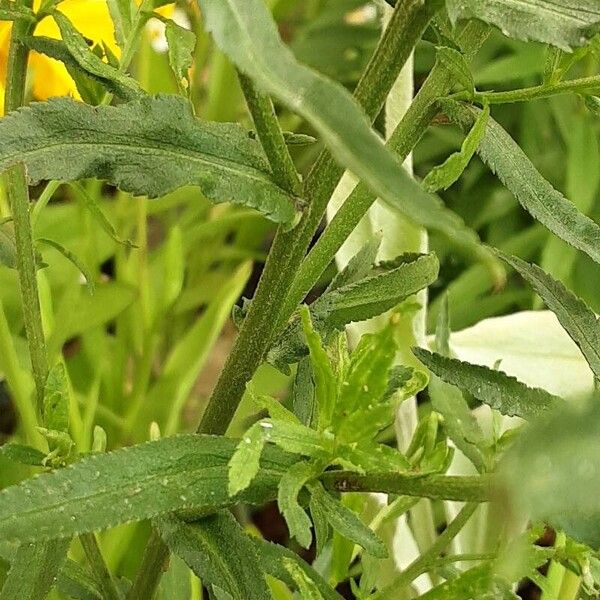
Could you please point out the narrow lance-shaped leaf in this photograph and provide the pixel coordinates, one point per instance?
(444, 175)
(181, 43)
(219, 552)
(495, 388)
(578, 320)
(563, 24)
(56, 399)
(149, 147)
(537, 196)
(246, 32)
(131, 484)
(306, 587)
(72, 258)
(16, 12)
(457, 64)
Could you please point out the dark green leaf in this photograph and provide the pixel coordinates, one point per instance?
(130, 484)
(11, 11)
(26, 455)
(303, 393)
(502, 154)
(563, 24)
(457, 65)
(34, 569)
(218, 552)
(495, 388)
(578, 320)
(246, 32)
(148, 147)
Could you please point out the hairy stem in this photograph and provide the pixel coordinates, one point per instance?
(103, 576)
(150, 571)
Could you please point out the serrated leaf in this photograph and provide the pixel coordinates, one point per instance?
(290, 486)
(358, 266)
(73, 259)
(457, 65)
(120, 12)
(245, 31)
(149, 147)
(496, 389)
(102, 490)
(444, 175)
(34, 569)
(11, 11)
(557, 456)
(56, 399)
(219, 552)
(537, 196)
(347, 523)
(562, 24)
(320, 524)
(181, 42)
(90, 62)
(578, 320)
(307, 588)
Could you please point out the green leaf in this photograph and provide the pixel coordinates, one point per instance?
(25, 455)
(56, 399)
(120, 12)
(292, 482)
(103, 490)
(181, 43)
(320, 524)
(34, 569)
(537, 196)
(90, 62)
(246, 32)
(218, 552)
(458, 66)
(8, 248)
(245, 462)
(444, 175)
(16, 12)
(358, 266)
(307, 588)
(500, 391)
(347, 523)
(72, 258)
(562, 24)
(303, 393)
(578, 320)
(149, 147)
(557, 457)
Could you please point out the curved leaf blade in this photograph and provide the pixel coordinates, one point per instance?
(148, 147)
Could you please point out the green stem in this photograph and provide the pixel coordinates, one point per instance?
(429, 559)
(150, 571)
(288, 249)
(103, 576)
(18, 196)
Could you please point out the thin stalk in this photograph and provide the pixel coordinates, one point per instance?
(153, 565)
(288, 249)
(18, 196)
(427, 560)
(103, 576)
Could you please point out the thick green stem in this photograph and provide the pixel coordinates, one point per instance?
(288, 249)
(18, 195)
(103, 576)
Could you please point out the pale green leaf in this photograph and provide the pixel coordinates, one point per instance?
(90, 62)
(347, 523)
(131, 484)
(458, 66)
(246, 32)
(444, 175)
(56, 399)
(502, 154)
(34, 570)
(245, 462)
(563, 24)
(150, 147)
(578, 320)
(72, 258)
(493, 387)
(219, 552)
(307, 588)
(181, 43)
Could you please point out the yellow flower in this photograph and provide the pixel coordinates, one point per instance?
(49, 77)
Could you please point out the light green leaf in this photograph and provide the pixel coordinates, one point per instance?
(290, 486)
(121, 15)
(34, 569)
(90, 62)
(246, 32)
(575, 316)
(458, 66)
(500, 391)
(150, 147)
(562, 24)
(245, 462)
(347, 523)
(102, 490)
(72, 258)
(181, 43)
(502, 154)
(8, 248)
(557, 456)
(218, 552)
(56, 399)
(307, 588)
(444, 175)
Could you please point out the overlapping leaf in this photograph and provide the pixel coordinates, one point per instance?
(147, 147)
